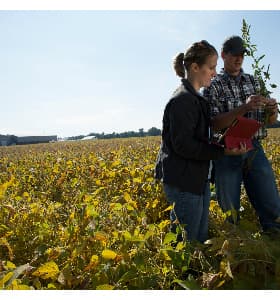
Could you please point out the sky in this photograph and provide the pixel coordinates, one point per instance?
(73, 72)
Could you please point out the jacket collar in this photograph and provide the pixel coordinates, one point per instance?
(201, 100)
(189, 87)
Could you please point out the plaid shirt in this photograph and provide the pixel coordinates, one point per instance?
(226, 93)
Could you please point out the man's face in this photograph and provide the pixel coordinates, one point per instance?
(232, 63)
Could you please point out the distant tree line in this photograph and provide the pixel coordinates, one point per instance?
(141, 133)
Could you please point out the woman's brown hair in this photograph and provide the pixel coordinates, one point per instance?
(197, 53)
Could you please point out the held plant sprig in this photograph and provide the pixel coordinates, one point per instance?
(260, 73)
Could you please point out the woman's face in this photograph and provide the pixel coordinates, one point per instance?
(207, 71)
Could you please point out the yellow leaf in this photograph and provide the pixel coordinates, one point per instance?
(4, 279)
(212, 205)
(48, 270)
(69, 163)
(25, 194)
(22, 287)
(115, 206)
(225, 268)
(116, 163)
(105, 287)
(87, 198)
(163, 224)
(155, 203)
(165, 255)
(132, 252)
(127, 197)
(149, 167)
(51, 286)
(131, 204)
(220, 283)
(9, 265)
(12, 282)
(93, 263)
(112, 174)
(115, 234)
(180, 246)
(127, 236)
(109, 254)
(4, 242)
(129, 207)
(102, 164)
(5, 185)
(74, 253)
(137, 180)
(170, 207)
(94, 259)
(90, 211)
(100, 236)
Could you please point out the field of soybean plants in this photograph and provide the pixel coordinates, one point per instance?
(89, 215)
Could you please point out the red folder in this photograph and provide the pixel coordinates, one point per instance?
(241, 131)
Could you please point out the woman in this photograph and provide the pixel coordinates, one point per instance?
(185, 153)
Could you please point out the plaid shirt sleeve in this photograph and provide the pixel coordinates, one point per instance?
(213, 95)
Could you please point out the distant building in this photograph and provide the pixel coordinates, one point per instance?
(7, 140)
(22, 140)
(90, 137)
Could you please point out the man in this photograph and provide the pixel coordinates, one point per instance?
(233, 93)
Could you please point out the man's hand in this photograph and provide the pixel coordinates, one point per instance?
(271, 106)
(272, 110)
(255, 102)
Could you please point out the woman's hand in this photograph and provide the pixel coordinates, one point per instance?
(237, 151)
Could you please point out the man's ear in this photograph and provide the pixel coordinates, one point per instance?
(223, 55)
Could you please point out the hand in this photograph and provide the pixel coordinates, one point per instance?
(237, 151)
(255, 102)
(272, 106)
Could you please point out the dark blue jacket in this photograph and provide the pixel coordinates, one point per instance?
(185, 152)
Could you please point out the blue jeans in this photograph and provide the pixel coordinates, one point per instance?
(190, 210)
(255, 171)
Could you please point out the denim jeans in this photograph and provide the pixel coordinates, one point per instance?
(190, 210)
(255, 171)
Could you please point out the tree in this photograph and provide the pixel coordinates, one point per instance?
(141, 132)
(154, 131)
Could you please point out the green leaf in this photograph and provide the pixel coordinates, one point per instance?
(129, 275)
(139, 260)
(127, 235)
(189, 284)
(169, 237)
